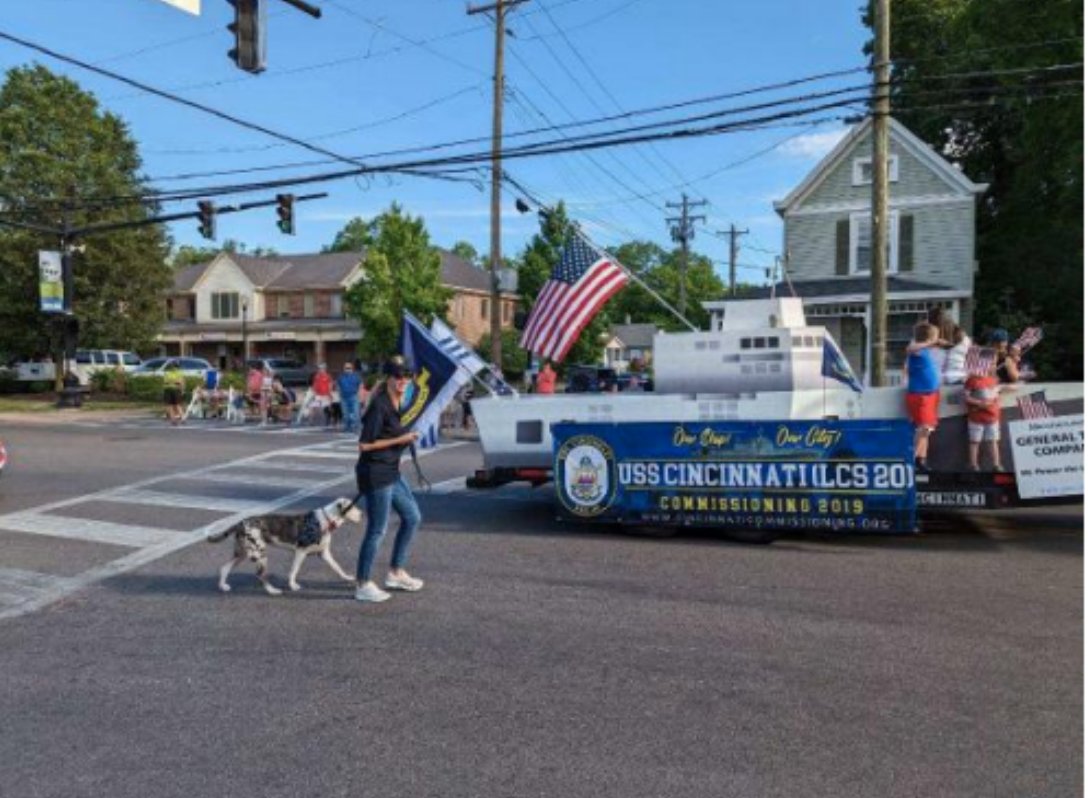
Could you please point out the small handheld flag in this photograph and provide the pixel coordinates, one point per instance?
(837, 367)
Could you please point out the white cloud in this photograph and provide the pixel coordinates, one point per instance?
(813, 145)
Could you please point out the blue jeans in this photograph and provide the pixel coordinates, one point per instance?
(351, 412)
(399, 496)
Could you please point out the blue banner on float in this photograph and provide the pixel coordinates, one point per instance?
(820, 475)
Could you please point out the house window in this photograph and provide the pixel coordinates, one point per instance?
(225, 306)
(336, 306)
(863, 170)
(861, 242)
(485, 307)
(283, 306)
(308, 306)
(505, 312)
(745, 343)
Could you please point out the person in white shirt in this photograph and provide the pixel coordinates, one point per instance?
(956, 357)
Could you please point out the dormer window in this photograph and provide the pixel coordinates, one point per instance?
(863, 170)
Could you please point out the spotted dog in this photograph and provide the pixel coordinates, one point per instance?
(306, 533)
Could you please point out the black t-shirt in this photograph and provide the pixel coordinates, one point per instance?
(380, 468)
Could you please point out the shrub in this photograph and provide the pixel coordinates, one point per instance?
(8, 383)
(39, 386)
(146, 388)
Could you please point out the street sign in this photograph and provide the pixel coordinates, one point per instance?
(192, 6)
(51, 281)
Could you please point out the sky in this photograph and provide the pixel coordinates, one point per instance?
(373, 76)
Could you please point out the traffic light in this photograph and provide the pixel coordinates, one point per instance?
(285, 209)
(207, 219)
(249, 35)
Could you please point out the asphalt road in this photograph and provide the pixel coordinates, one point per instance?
(541, 659)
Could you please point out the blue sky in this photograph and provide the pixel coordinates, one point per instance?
(378, 75)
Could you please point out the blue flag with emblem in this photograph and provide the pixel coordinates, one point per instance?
(836, 366)
(438, 378)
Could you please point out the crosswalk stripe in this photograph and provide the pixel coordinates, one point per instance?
(17, 586)
(280, 464)
(255, 480)
(59, 526)
(158, 498)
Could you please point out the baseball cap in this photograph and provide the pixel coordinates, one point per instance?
(396, 367)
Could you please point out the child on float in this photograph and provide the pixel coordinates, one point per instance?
(923, 389)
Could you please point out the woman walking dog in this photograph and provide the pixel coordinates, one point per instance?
(377, 473)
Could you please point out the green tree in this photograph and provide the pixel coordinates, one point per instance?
(186, 255)
(355, 236)
(466, 251)
(514, 358)
(1021, 132)
(58, 147)
(402, 271)
(541, 254)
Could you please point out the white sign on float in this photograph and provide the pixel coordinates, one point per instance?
(1048, 454)
(192, 6)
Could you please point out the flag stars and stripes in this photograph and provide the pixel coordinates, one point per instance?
(579, 286)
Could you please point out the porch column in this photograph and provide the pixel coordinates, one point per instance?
(319, 351)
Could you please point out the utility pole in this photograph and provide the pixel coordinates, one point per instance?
(733, 234)
(878, 305)
(682, 232)
(499, 7)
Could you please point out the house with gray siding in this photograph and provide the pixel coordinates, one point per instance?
(931, 246)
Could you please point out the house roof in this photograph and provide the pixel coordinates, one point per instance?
(839, 286)
(902, 136)
(635, 335)
(324, 270)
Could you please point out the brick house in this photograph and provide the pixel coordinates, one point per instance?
(291, 306)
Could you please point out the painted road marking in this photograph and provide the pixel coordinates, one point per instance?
(60, 526)
(25, 592)
(18, 586)
(158, 498)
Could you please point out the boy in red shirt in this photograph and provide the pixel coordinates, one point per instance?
(982, 395)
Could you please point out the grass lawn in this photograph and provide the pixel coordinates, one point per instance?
(47, 403)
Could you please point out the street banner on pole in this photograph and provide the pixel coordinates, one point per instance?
(51, 281)
(192, 6)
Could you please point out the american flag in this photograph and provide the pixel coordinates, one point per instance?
(1034, 406)
(579, 286)
(979, 361)
(1029, 338)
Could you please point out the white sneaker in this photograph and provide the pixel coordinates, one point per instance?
(371, 592)
(407, 583)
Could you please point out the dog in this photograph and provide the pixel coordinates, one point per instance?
(305, 533)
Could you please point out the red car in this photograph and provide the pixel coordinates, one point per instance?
(3, 457)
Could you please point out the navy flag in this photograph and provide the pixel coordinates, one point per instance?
(438, 378)
(836, 366)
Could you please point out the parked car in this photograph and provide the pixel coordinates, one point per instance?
(190, 366)
(590, 379)
(95, 359)
(3, 457)
(289, 372)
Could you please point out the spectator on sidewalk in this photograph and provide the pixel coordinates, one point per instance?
(349, 383)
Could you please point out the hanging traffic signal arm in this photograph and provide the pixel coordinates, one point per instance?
(174, 217)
